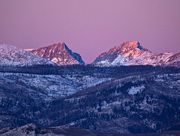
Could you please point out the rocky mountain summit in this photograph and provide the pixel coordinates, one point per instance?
(133, 53)
(59, 53)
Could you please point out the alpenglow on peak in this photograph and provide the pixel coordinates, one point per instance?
(59, 53)
(133, 53)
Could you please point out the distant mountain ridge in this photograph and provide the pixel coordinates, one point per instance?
(11, 55)
(59, 53)
(133, 53)
(128, 53)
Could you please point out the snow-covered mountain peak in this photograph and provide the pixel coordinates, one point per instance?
(59, 53)
(127, 48)
(11, 55)
(120, 55)
(133, 53)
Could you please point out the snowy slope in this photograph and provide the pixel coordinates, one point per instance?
(112, 99)
(51, 86)
(132, 53)
(59, 53)
(174, 60)
(10, 55)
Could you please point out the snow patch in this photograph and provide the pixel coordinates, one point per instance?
(104, 63)
(120, 60)
(134, 90)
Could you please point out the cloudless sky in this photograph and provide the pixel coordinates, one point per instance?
(90, 27)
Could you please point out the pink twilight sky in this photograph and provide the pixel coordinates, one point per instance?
(90, 27)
